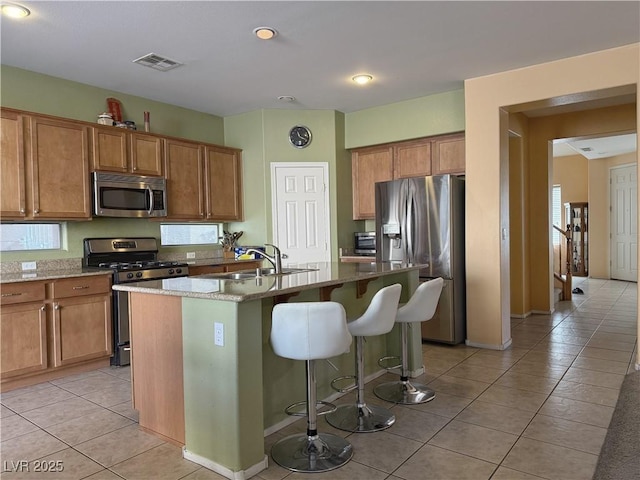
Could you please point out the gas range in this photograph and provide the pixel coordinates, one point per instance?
(145, 270)
(131, 259)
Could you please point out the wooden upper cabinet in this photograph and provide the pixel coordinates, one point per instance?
(12, 162)
(412, 159)
(118, 150)
(59, 167)
(110, 149)
(223, 177)
(184, 170)
(369, 165)
(146, 154)
(449, 155)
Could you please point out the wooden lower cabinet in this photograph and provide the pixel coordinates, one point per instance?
(23, 332)
(81, 329)
(51, 328)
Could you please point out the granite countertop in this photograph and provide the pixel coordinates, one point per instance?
(74, 269)
(214, 288)
(28, 276)
(217, 261)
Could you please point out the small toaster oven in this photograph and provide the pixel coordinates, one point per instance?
(365, 243)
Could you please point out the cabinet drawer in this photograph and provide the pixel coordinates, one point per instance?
(72, 287)
(22, 292)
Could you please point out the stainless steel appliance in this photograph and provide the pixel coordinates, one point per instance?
(119, 195)
(131, 260)
(365, 243)
(421, 220)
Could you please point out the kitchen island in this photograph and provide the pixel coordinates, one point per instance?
(204, 374)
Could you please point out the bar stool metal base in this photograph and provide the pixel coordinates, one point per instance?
(404, 392)
(309, 454)
(368, 418)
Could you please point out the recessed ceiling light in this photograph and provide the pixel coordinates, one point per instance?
(264, 33)
(15, 11)
(362, 79)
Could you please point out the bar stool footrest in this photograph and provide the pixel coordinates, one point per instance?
(382, 362)
(330, 408)
(348, 388)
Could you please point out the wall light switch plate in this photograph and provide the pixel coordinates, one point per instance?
(28, 266)
(218, 329)
(191, 255)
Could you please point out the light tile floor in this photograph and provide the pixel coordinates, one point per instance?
(537, 410)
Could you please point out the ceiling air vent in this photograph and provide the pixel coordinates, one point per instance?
(157, 62)
(586, 149)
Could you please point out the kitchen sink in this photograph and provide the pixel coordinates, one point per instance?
(244, 274)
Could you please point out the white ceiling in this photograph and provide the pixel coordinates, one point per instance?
(597, 147)
(413, 49)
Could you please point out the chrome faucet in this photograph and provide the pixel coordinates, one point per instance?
(275, 260)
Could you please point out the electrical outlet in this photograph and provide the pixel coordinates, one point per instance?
(28, 266)
(218, 329)
(191, 255)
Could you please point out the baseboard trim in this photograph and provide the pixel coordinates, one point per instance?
(224, 471)
(543, 312)
(489, 346)
(521, 315)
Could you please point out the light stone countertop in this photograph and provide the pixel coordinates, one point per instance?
(216, 261)
(69, 269)
(213, 288)
(28, 276)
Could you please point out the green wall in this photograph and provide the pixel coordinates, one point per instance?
(39, 93)
(261, 134)
(420, 117)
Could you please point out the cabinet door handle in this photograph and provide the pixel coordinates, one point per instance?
(11, 294)
(22, 210)
(36, 211)
(42, 308)
(56, 306)
(80, 287)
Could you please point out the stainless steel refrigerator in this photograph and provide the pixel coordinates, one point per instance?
(421, 220)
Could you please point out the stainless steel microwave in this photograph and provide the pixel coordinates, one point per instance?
(120, 195)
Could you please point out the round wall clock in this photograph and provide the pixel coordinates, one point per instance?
(300, 136)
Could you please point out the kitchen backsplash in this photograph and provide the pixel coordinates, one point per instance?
(74, 263)
(58, 264)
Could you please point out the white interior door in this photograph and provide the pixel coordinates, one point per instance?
(300, 207)
(624, 223)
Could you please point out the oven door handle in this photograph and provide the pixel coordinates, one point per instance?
(151, 205)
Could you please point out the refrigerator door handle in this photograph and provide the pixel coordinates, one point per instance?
(410, 226)
(404, 196)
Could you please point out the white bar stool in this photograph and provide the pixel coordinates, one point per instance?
(420, 308)
(378, 319)
(310, 331)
